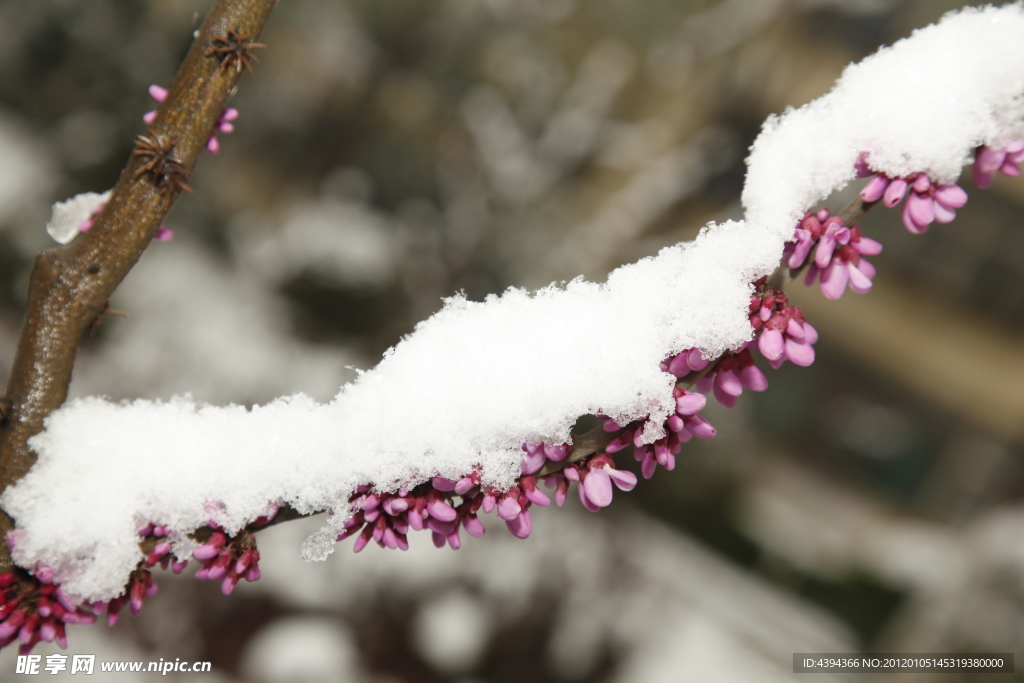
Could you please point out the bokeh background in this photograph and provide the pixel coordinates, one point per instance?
(393, 152)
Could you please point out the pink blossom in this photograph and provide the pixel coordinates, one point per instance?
(783, 332)
(34, 610)
(989, 160)
(733, 373)
(689, 360)
(596, 481)
(928, 202)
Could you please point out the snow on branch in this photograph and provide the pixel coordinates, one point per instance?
(461, 395)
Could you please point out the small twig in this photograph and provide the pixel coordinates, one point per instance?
(70, 286)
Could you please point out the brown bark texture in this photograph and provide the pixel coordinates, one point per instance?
(70, 285)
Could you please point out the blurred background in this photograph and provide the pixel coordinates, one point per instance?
(393, 152)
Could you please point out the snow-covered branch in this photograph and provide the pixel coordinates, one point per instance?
(466, 413)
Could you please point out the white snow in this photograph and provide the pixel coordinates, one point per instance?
(70, 213)
(476, 380)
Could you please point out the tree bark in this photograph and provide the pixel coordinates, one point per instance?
(70, 286)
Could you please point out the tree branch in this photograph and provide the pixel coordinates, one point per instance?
(70, 286)
(597, 439)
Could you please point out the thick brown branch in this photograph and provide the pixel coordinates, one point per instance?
(70, 286)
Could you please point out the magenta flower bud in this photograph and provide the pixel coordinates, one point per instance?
(868, 246)
(205, 552)
(598, 487)
(861, 166)
(389, 539)
(443, 528)
(465, 485)
(726, 399)
(533, 462)
(753, 379)
(562, 492)
(690, 403)
(921, 208)
(474, 527)
(362, 539)
(454, 540)
(624, 480)
(859, 282)
(178, 567)
(11, 625)
(228, 585)
(700, 427)
(508, 508)
(950, 196)
(833, 282)
(911, 224)
(823, 254)
(804, 242)
(439, 509)
(532, 493)
(695, 360)
(800, 353)
(27, 634)
(442, 484)
(219, 567)
(875, 189)
(521, 526)
(620, 442)
(678, 366)
(674, 423)
(415, 520)
(922, 183)
(252, 574)
(943, 214)
(556, 453)
(771, 344)
(895, 192)
(47, 631)
(488, 503)
(729, 383)
(611, 426)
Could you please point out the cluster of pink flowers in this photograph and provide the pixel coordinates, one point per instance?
(224, 121)
(679, 428)
(838, 254)
(386, 518)
(34, 609)
(140, 587)
(989, 160)
(929, 201)
(228, 559)
(782, 332)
